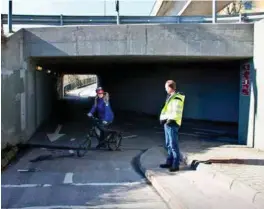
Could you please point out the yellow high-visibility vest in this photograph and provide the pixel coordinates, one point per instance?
(173, 108)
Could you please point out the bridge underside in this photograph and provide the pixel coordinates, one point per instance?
(187, 8)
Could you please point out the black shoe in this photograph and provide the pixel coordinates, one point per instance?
(165, 165)
(174, 169)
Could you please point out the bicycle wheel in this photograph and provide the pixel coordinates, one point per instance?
(114, 141)
(84, 146)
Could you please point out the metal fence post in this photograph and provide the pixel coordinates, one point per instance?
(214, 12)
(117, 12)
(10, 9)
(61, 20)
(240, 18)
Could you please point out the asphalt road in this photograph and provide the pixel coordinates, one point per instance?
(101, 179)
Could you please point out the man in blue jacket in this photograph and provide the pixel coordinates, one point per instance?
(104, 113)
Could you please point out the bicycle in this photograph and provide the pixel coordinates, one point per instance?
(113, 138)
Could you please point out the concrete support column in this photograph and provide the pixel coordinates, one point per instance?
(246, 104)
(259, 84)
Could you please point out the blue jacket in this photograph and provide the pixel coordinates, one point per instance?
(103, 109)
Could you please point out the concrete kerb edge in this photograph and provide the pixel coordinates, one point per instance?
(152, 178)
(234, 185)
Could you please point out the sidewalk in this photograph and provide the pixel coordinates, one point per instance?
(218, 185)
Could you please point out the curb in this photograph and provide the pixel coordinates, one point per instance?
(236, 186)
(172, 203)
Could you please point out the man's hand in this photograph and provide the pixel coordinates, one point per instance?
(170, 122)
(104, 122)
(162, 122)
(90, 115)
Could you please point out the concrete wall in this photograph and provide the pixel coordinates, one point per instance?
(212, 93)
(246, 105)
(21, 91)
(259, 84)
(25, 99)
(251, 107)
(45, 94)
(12, 88)
(229, 40)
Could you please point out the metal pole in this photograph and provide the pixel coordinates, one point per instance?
(61, 20)
(117, 12)
(104, 7)
(10, 9)
(214, 12)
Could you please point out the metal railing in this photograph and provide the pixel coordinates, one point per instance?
(60, 20)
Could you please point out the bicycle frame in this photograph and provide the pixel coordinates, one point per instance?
(92, 131)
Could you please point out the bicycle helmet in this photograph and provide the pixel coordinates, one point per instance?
(99, 90)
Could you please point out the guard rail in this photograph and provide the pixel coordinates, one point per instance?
(61, 20)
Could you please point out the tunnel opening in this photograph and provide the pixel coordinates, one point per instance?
(137, 94)
(79, 86)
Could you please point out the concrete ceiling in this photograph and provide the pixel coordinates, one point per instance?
(95, 63)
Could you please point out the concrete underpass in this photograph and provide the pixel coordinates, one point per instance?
(211, 64)
(136, 87)
(132, 62)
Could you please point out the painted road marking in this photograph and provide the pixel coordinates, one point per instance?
(110, 183)
(108, 206)
(158, 127)
(71, 151)
(201, 133)
(24, 185)
(72, 139)
(68, 178)
(56, 135)
(131, 136)
(159, 132)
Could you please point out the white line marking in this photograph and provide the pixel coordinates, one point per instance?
(157, 127)
(131, 136)
(56, 135)
(72, 139)
(25, 185)
(188, 134)
(202, 133)
(71, 151)
(108, 206)
(68, 178)
(110, 184)
(58, 129)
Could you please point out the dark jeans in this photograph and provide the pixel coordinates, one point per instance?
(171, 137)
(103, 128)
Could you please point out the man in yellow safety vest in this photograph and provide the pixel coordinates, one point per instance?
(171, 118)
